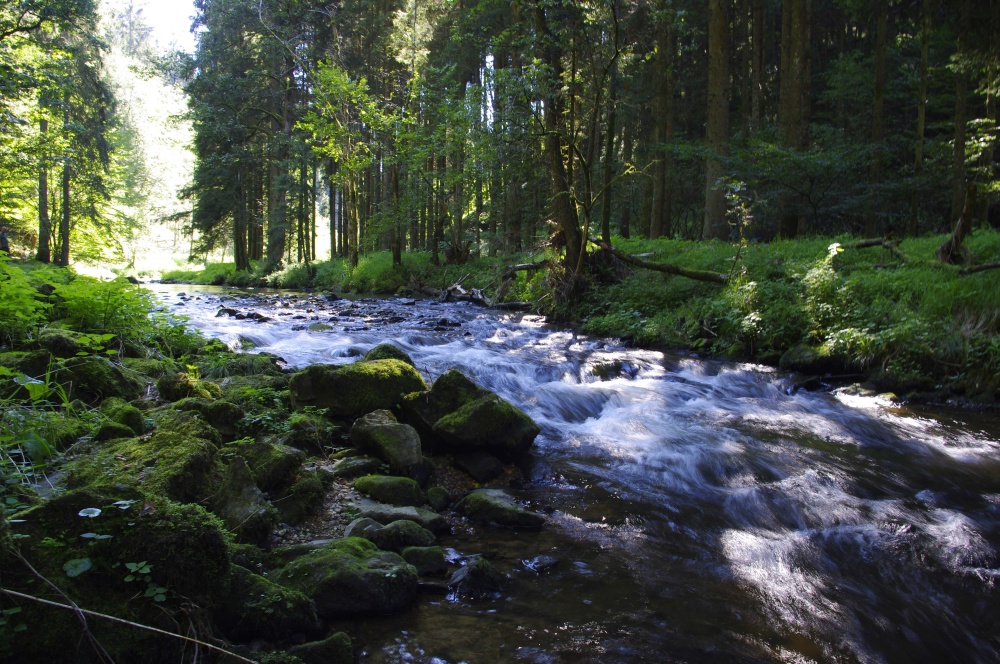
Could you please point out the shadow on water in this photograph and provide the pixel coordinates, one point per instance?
(697, 510)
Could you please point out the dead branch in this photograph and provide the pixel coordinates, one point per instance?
(982, 267)
(668, 268)
(885, 243)
(524, 267)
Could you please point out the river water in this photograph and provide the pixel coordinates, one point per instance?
(698, 511)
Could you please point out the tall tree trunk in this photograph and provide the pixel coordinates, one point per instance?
(564, 212)
(986, 160)
(64, 220)
(756, 62)
(44, 223)
(794, 96)
(240, 256)
(624, 223)
(610, 167)
(878, 119)
(913, 228)
(961, 100)
(663, 125)
(715, 225)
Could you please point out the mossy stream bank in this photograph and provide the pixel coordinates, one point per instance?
(246, 508)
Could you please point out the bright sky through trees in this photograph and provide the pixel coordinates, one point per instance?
(171, 22)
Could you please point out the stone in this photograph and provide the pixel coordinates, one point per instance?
(438, 498)
(399, 535)
(352, 390)
(477, 579)
(428, 560)
(390, 489)
(112, 430)
(379, 434)
(61, 343)
(93, 378)
(480, 466)
(458, 416)
(351, 577)
(382, 513)
(388, 352)
(302, 498)
(254, 607)
(335, 649)
(225, 417)
(494, 507)
(310, 432)
(362, 527)
(812, 360)
(119, 411)
(174, 387)
(271, 465)
(356, 467)
(242, 506)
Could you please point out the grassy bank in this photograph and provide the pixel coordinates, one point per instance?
(905, 322)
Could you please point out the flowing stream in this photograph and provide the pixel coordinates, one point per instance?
(698, 511)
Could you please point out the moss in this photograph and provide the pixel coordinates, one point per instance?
(488, 506)
(388, 352)
(242, 506)
(253, 607)
(61, 343)
(150, 368)
(477, 580)
(183, 545)
(489, 422)
(303, 498)
(120, 412)
(335, 649)
(112, 430)
(94, 378)
(310, 432)
(174, 387)
(392, 490)
(271, 465)
(400, 535)
(378, 433)
(438, 498)
(428, 560)
(355, 389)
(176, 461)
(352, 577)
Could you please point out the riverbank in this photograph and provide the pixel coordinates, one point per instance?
(895, 317)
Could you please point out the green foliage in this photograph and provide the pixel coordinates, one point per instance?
(21, 310)
(117, 307)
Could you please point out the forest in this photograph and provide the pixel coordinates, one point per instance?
(489, 128)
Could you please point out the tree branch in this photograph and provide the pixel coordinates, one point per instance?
(697, 275)
(982, 267)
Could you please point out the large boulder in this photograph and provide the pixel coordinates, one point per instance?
(478, 579)
(335, 649)
(272, 465)
(352, 390)
(429, 560)
(121, 412)
(494, 507)
(385, 514)
(255, 608)
(458, 416)
(388, 352)
(395, 536)
(351, 577)
(242, 506)
(391, 489)
(379, 434)
(178, 461)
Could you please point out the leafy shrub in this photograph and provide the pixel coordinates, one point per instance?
(20, 309)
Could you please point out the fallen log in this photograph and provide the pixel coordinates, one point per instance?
(885, 243)
(667, 268)
(982, 267)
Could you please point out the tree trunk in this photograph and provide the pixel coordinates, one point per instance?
(913, 228)
(564, 212)
(961, 101)
(878, 119)
(794, 95)
(663, 126)
(44, 223)
(609, 157)
(717, 130)
(757, 62)
(64, 220)
(240, 256)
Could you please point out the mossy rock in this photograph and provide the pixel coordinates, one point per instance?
(34, 364)
(388, 352)
(272, 465)
(335, 649)
(174, 387)
(458, 416)
(812, 360)
(438, 498)
(119, 411)
(225, 417)
(428, 560)
(253, 607)
(352, 390)
(351, 577)
(152, 368)
(477, 580)
(94, 378)
(242, 506)
(385, 514)
(61, 343)
(227, 364)
(390, 489)
(356, 467)
(184, 547)
(301, 499)
(309, 432)
(400, 535)
(494, 507)
(176, 461)
(112, 430)
(379, 434)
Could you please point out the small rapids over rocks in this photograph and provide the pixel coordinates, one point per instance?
(697, 511)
